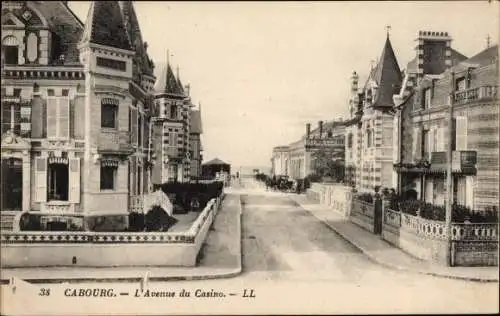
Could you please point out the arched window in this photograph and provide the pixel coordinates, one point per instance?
(10, 50)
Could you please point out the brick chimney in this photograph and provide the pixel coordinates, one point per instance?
(308, 130)
(320, 126)
(433, 52)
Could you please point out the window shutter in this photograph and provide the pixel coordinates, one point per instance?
(440, 136)
(461, 133)
(430, 139)
(469, 192)
(417, 143)
(74, 180)
(134, 127)
(40, 179)
(52, 117)
(64, 117)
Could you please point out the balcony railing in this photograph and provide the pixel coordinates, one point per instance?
(463, 161)
(476, 94)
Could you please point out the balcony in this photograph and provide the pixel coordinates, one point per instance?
(482, 93)
(462, 162)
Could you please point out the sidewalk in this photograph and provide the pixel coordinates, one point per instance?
(220, 257)
(386, 254)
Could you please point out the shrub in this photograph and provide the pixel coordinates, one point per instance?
(365, 197)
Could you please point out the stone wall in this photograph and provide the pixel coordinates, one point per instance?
(105, 249)
(471, 244)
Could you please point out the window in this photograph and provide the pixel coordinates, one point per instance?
(369, 142)
(58, 119)
(108, 174)
(58, 177)
(330, 134)
(173, 111)
(108, 115)
(139, 129)
(50, 92)
(172, 139)
(10, 50)
(460, 84)
(349, 141)
(427, 98)
(425, 144)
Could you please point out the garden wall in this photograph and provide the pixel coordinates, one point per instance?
(105, 249)
(471, 245)
(336, 196)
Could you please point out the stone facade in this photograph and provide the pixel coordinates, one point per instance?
(369, 130)
(467, 88)
(75, 109)
(297, 159)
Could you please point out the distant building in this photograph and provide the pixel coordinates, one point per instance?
(445, 77)
(75, 110)
(215, 167)
(297, 159)
(279, 161)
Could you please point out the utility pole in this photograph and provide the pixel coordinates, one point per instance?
(449, 175)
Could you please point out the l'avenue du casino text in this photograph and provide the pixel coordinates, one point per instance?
(198, 293)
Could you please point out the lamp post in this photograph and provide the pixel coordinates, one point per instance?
(449, 176)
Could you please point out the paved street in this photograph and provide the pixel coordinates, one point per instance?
(295, 264)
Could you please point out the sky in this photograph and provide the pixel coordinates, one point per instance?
(262, 70)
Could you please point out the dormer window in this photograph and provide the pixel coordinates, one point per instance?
(10, 50)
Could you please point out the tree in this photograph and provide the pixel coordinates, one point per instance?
(328, 162)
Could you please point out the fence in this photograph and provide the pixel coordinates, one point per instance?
(471, 244)
(104, 249)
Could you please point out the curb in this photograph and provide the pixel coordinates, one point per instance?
(223, 275)
(397, 267)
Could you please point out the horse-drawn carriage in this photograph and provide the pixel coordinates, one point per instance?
(281, 183)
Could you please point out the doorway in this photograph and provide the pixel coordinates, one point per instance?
(12, 184)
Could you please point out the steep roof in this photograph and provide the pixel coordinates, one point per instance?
(167, 83)
(387, 75)
(105, 25)
(195, 123)
(485, 57)
(65, 25)
(215, 161)
(134, 33)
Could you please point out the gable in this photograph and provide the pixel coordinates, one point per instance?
(9, 19)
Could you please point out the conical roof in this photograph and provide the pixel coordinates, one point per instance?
(134, 33)
(167, 83)
(105, 25)
(387, 75)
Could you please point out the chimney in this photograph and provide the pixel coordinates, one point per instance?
(308, 130)
(433, 52)
(320, 125)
